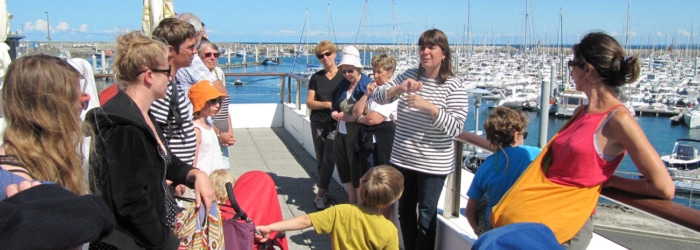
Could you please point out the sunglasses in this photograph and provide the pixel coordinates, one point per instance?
(165, 71)
(350, 71)
(525, 135)
(214, 101)
(327, 54)
(572, 63)
(209, 54)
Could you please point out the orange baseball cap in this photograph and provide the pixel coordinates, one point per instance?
(201, 92)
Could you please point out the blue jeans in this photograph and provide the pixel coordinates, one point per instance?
(422, 190)
(224, 155)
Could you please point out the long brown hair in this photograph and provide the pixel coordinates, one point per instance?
(44, 131)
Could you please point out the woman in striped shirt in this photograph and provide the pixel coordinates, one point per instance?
(431, 111)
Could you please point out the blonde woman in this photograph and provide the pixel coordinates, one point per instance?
(133, 186)
(319, 100)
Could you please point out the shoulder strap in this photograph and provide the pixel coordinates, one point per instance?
(174, 101)
(11, 160)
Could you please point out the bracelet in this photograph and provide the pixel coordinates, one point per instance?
(357, 120)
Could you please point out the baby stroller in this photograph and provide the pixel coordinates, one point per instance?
(254, 201)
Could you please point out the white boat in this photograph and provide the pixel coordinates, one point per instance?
(569, 101)
(692, 118)
(684, 155)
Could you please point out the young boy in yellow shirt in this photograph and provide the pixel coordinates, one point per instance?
(355, 226)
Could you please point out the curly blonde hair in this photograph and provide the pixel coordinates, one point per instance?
(44, 131)
(218, 179)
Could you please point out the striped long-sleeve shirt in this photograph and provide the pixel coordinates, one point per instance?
(421, 143)
(180, 138)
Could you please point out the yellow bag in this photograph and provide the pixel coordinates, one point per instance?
(198, 229)
(533, 198)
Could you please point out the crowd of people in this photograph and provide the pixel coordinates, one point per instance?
(166, 129)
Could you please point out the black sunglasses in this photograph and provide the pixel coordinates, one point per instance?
(351, 71)
(214, 101)
(208, 54)
(328, 54)
(525, 135)
(166, 71)
(572, 63)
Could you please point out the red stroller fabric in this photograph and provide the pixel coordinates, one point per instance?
(256, 193)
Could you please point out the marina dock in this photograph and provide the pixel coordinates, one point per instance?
(651, 111)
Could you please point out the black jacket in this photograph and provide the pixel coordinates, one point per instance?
(128, 170)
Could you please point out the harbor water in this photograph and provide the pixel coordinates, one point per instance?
(659, 130)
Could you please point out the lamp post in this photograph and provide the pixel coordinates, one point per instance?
(477, 93)
(48, 27)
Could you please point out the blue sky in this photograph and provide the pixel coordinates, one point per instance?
(652, 21)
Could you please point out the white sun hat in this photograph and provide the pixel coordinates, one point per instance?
(351, 56)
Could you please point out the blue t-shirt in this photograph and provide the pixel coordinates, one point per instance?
(7, 178)
(494, 181)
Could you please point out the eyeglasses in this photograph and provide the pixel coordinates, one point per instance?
(572, 63)
(165, 71)
(351, 71)
(525, 135)
(209, 54)
(214, 101)
(328, 54)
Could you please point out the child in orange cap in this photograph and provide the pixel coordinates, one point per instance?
(206, 102)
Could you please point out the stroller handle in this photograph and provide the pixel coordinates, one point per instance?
(240, 214)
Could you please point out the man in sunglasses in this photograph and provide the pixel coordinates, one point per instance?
(174, 112)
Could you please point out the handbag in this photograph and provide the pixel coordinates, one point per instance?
(200, 229)
(534, 198)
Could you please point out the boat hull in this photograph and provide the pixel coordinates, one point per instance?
(692, 119)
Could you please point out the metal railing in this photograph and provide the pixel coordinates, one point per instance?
(675, 213)
(667, 210)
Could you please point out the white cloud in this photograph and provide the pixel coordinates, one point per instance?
(659, 34)
(39, 24)
(115, 30)
(279, 33)
(62, 26)
(683, 32)
(613, 33)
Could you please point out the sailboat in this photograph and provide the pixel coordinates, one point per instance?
(628, 103)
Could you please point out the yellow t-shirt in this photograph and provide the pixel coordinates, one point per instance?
(355, 227)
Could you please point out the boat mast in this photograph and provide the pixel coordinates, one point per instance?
(306, 36)
(469, 30)
(561, 49)
(394, 26)
(628, 46)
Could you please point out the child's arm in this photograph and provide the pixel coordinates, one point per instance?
(296, 223)
(471, 214)
(198, 135)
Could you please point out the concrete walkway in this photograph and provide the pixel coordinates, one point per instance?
(275, 151)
